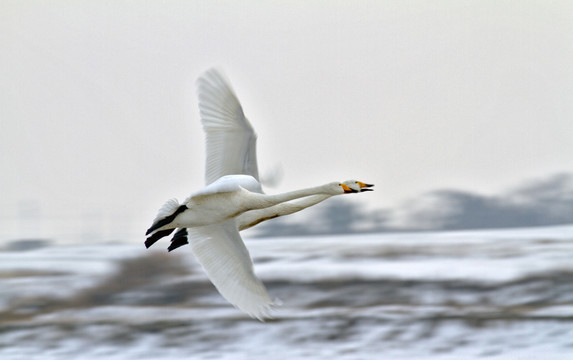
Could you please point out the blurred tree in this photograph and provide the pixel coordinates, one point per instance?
(539, 203)
(338, 216)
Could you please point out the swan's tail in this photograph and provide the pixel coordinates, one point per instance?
(165, 216)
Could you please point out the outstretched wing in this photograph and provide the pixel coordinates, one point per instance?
(222, 253)
(230, 138)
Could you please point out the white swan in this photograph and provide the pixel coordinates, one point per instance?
(209, 217)
(226, 198)
(254, 217)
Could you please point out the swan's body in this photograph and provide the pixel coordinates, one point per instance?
(251, 218)
(229, 197)
(210, 219)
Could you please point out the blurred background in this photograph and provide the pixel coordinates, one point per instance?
(459, 112)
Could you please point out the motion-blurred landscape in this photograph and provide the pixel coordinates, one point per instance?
(436, 295)
(350, 293)
(458, 111)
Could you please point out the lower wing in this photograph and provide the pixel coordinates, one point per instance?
(222, 253)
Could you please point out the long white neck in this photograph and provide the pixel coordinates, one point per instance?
(254, 217)
(261, 201)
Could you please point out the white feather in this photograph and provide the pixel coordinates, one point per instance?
(167, 209)
(222, 253)
(230, 183)
(230, 138)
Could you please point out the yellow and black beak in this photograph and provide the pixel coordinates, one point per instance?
(365, 187)
(347, 190)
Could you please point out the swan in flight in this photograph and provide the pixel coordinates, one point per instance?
(210, 219)
(254, 217)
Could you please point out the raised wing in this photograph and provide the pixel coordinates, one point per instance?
(222, 253)
(230, 138)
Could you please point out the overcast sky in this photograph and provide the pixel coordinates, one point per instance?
(99, 115)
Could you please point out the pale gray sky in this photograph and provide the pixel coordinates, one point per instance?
(99, 114)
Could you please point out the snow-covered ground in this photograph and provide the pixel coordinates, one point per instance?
(504, 294)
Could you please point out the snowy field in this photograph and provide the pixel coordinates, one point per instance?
(504, 294)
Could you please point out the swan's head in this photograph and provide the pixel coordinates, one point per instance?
(359, 186)
(347, 189)
(336, 188)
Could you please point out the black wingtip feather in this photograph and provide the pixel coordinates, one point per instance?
(179, 239)
(158, 235)
(166, 220)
